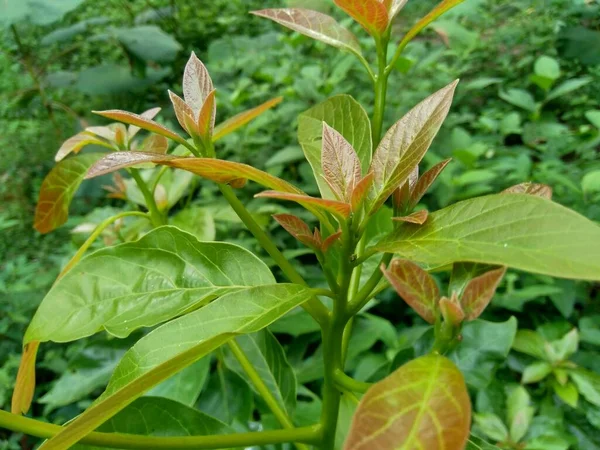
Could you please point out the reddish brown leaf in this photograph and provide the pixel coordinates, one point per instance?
(25, 383)
(313, 24)
(479, 292)
(330, 240)
(339, 209)
(415, 286)
(120, 160)
(120, 135)
(297, 228)
(184, 114)
(239, 120)
(372, 15)
(149, 114)
(425, 182)
(58, 189)
(340, 163)
(75, 143)
(141, 122)
(360, 191)
(197, 84)
(206, 118)
(418, 217)
(451, 310)
(541, 190)
(422, 405)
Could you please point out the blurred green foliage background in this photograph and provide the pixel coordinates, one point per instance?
(527, 109)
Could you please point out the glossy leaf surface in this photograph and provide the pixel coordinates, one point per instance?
(407, 141)
(241, 119)
(313, 24)
(424, 404)
(58, 189)
(139, 284)
(178, 344)
(522, 231)
(371, 14)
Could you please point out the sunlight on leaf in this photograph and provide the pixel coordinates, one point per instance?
(372, 15)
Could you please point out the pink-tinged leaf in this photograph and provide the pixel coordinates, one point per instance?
(394, 7)
(330, 240)
(197, 84)
(155, 144)
(479, 292)
(451, 310)
(372, 15)
(425, 182)
(148, 114)
(313, 24)
(120, 160)
(75, 143)
(340, 163)
(415, 286)
(25, 383)
(206, 118)
(103, 132)
(407, 141)
(141, 122)
(297, 228)
(401, 197)
(436, 12)
(184, 114)
(418, 217)
(360, 191)
(541, 190)
(422, 405)
(58, 189)
(241, 119)
(339, 209)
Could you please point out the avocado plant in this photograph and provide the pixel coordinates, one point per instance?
(204, 297)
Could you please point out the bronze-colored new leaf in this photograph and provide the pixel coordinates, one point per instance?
(407, 141)
(184, 114)
(451, 310)
(340, 163)
(149, 114)
(197, 84)
(75, 143)
(339, 209)
(155, 144)
(541, 190)
(25, 384)
(120, 160)
(241, 119)
(297, 228)
(425, 182)
(206, 118)
(415, 286)
(372, 15)
(479, 292)
(330, 240)
(422, 405)
(418, 217)
(360, 191)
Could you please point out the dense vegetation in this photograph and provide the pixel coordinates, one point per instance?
(527, 109)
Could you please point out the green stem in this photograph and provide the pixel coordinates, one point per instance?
(262, 389)
(155, 214)
(363, 296)
(380, 92)
(349, 383)
(20, 424)
(314, 307)
(97, 232)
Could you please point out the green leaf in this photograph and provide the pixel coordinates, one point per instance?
(531, 343)
(38, 12)
(196, 221)
(563, 348)
(519, 97)
(588, 384)
(547, 67)
(348, 405)
(109, 79)
(58, 189)
(423, 404)
(535, 372)
(522, 231)
(476, 443)
(67, 33)
(343, 114)
(407, 141)
(593, 115)
(268, 358)
(149, 43)
(227, 397)
(568, 87)
(154, 416)
(519, 413)
(139, 284)
(185, 386)
(491, 425)
(567, 393)
(179, 343)
(590, 183)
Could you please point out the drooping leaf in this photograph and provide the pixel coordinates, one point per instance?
(415, 286)
(340, 164)
(343, 114)
(138, 284)
(269, 359)
(179, 343)
(339, 209)
(141, 122)
(418, 217)
(197, 84)
(541, 190)
(372, 15)
(407, 141)
(206, 118)
(241, 119)
(522, 231)
(313, 24)
(75, 143)
(425, 181)
(58, 189)
(479, 292)
(297, 228)
(424, 404)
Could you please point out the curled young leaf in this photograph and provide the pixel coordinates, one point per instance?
(541, 190)
(425, 182)
(360, 191)
(197, 84)
(206, 118)
(241, 119)
(297, 228)
(313, 24)
(451, 310)
(415, 286)
(407, 141)
(340, 164)
(75, 143)
(422, 405)
(418, 217)
(338, 209)
(372, 15)
(479, 292)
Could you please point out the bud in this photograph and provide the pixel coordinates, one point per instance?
(451, 310)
